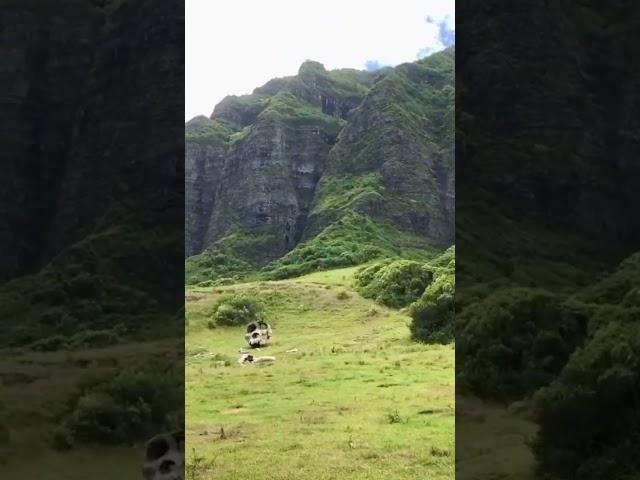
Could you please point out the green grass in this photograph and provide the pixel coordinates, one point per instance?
(36, 387)
(104, 463)
(493, 442)
(358, 400)
(340, 277)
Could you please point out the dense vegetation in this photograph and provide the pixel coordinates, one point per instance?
(572, 353)
(426, 288)
(545, 198)
(394, 283)
(236, 311)
(595, 395)
(209, 132)
(433, 313)
(122, 406)
(83, 290)
(352, 240)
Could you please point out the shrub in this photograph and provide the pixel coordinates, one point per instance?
(516, 340)
(84, 286)
(62, 438)
(588, 417)
(121, 407)
(237, 310)
(52, 317)
(395, 417)
(433, 315)
(395, 283)
(50, 295)
(342, 295)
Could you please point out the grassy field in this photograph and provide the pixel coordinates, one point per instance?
(492, 442)
(357, 400)
(35, 389)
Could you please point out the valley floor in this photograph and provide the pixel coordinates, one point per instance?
(35, 387)
(357, 400)
(492, 442)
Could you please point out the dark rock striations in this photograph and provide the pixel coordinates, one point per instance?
(93, 192)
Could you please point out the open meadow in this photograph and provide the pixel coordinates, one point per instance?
(349, 395)
(36, 391)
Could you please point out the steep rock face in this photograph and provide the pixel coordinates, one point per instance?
(267, 184)
(44, 61)
(86, 99)
(570, 171)
(203, 168)
(275, 143)
(401, 139)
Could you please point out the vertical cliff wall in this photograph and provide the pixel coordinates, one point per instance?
(84, 97)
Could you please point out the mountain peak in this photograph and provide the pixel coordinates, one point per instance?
(311, 66)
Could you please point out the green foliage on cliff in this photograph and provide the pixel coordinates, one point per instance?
(228, 260)
(292, 111)
(343, 83)
(352, 240)
(343, 193)
(214, 266)
(206, 131)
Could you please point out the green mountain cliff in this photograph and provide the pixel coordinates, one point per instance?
(322, 169)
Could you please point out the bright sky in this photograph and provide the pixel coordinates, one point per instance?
(234, 46)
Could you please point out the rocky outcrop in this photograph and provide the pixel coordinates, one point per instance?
(267, 184)
(203, 168)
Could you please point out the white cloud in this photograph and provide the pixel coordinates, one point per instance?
(233, 46)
